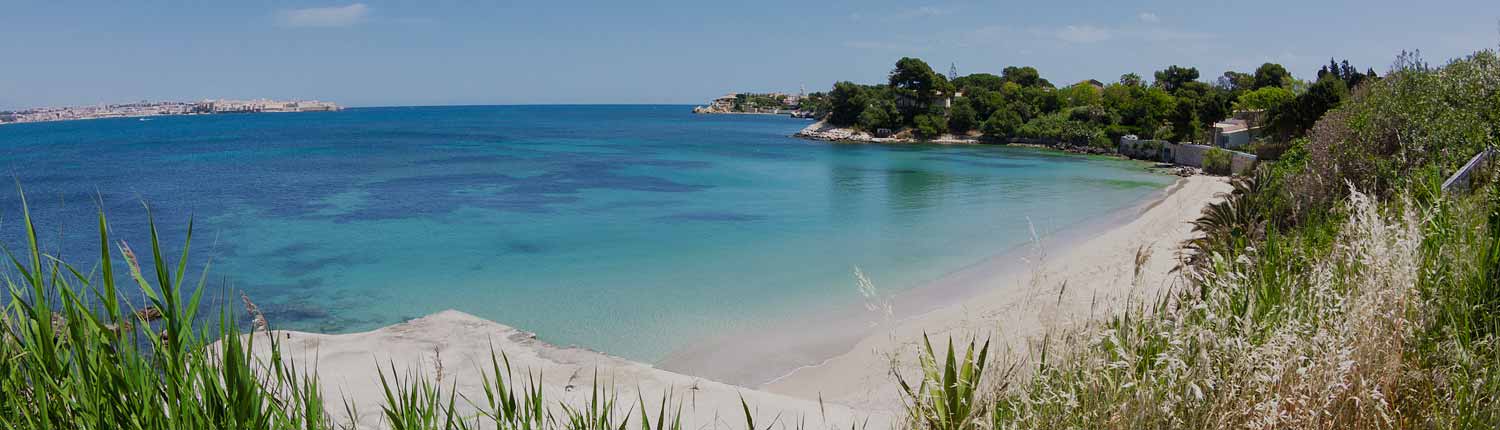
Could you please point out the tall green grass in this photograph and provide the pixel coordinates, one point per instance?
(73, 354)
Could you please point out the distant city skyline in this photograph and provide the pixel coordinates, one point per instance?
(372, 53)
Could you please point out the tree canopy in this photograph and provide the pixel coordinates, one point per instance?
(1174, 77)
(1019, 102)
(1270, 75)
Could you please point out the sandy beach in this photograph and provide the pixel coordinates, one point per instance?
(1012, 303)
(1058, 288)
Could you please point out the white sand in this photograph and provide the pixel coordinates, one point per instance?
(346, 365)
(1064, 287)
(1012, 308)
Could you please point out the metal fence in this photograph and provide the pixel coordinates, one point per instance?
(1476, 170)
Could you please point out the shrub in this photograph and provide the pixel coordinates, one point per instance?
(962, 117)
(880, 114)
(1003, 123)
(1059, 128)
(1217, 161)
(1270, 150)
(1411, 126)
(930, 125)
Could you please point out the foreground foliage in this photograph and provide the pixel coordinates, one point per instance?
(73, 354)
(1337, 288)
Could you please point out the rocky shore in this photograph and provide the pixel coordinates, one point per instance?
(822, 130)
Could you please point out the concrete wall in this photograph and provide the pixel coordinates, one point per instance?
(1187, 154)
(1181, 154)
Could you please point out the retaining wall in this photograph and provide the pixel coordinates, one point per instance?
(1184, 154)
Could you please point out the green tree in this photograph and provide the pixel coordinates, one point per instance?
(962, 117)
(846, 102)
(1142, 110)
(1002, 123)
(1032, 101)
(1293, 119)
(1193, 99)
(1264, 99)
(1132, 80)
(1093, 115)
(1218, 104)
(1237, 81)
(978, 81)
(985, 102)
(914, 77)
(1025, 76)
(1270, 75)
(1174, 77)
(1079, 94)
(880, 114)
(930, 125)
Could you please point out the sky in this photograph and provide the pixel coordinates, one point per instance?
(377, 53)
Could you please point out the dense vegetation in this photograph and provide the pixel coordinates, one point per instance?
(746, 102)
(1339, 287)
(1336, 288)
(1019, 103)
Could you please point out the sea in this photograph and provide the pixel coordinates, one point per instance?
(628, 229)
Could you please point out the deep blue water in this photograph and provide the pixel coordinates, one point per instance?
(626, 229)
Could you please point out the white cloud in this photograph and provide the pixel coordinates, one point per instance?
(1148, 17)
(1083, 34)
(337, 16)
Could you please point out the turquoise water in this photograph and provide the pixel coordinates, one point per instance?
(625, 229)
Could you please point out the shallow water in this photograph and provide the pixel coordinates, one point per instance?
(626, 229)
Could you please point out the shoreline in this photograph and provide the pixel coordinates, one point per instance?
(1056, 288)
(822, 131)
(762, 356)
(454, 348)
(1016, 290)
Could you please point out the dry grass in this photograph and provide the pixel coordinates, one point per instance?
(1336, 352)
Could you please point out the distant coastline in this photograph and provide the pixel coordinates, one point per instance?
(146, 109)
(758, 104)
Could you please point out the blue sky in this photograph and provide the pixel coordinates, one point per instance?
(373, 53)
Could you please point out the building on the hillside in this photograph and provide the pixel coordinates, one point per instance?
(1238, 130)
(905, 101)
(792, 101)
(1231, 133)
(725, 103)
